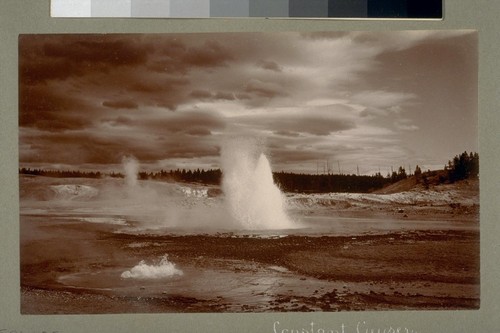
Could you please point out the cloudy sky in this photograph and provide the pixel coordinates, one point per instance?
(354, 99)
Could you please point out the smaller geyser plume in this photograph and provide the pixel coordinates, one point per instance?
(250, 193)
(131, 169)
(164, 269)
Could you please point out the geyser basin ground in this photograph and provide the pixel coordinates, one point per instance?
(365, 255)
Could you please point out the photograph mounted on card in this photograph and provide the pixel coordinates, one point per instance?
(249, 172)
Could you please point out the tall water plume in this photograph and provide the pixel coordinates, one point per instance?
(250, 193)
(131, 169)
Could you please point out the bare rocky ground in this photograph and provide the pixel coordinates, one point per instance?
(458, 201)
(70, 267)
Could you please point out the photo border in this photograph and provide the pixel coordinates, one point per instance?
(33, 16)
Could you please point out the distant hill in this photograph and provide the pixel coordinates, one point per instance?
(400, 186)
(426, 180)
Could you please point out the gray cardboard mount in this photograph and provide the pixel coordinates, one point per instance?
(33, 16)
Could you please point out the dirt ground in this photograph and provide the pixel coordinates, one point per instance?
(405, 270)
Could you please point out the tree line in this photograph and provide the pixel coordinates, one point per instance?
(306, 183)
(61, 173)
(463, 166)
(212, 176)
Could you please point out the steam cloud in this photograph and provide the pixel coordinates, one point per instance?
(251, 195)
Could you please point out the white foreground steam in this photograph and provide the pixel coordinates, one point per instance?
(164, 269)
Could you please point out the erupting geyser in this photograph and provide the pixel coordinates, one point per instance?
(251, 195)
(131, 168)
(164, 269)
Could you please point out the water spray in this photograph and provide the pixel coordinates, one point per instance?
(252, 198)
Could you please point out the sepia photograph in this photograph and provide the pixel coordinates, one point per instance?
(249, 172)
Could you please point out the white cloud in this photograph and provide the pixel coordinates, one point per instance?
(405, 124)
(391, 101)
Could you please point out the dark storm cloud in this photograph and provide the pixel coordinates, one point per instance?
(243, 96)
(118, 121)
(198, 131)
(55, 122)
(210, 54)
(224, 96)
(166, 103)
(166, 92)
(201, 94)
(176, 57)
(117, 62)
(49, 57)
(296, 155)
(269, 65)
(191, 149)
(293, 125)
(311, 125)
(78, 148)
(287, 133)
(317, 122)
(120, 104)
(183, 145)
(61, 77)
(372, 112)
(170, 66)
(154, 90)
(98, 50)
(70, 148)
(264, 89)
(36, 71)
(207, 95)
(184, 122)
(45, 109)
(163, 84)
(169, 47)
